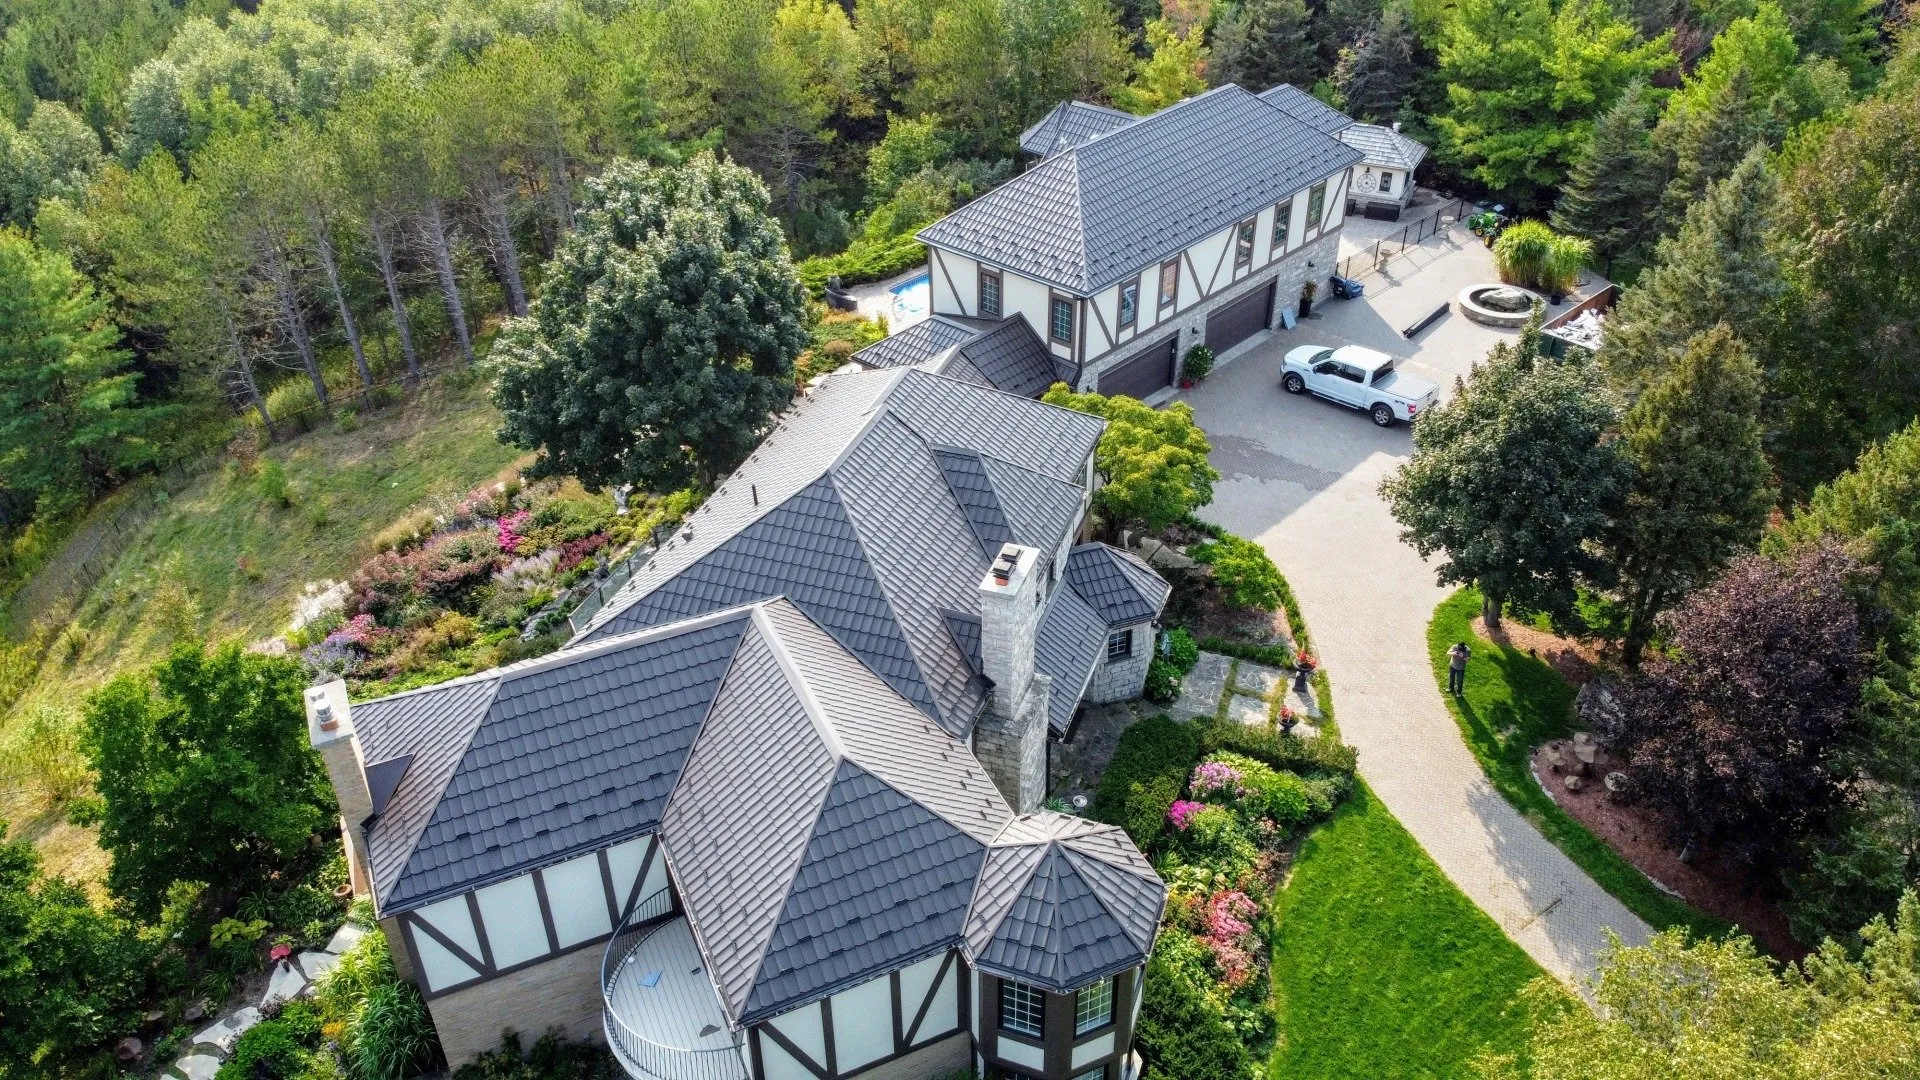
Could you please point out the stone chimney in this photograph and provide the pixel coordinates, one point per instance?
(330, 730)
(1011, 738)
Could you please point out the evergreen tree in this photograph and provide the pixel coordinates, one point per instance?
(1613, 193)
(69, 412)
(1700, 490)
(1517, 424)
(1376, 76)
(1707, 144)
(1262, 43)
(665, 334)
(1717, 269)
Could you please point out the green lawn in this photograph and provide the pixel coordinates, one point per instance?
(1509, 691)
(1381, 967)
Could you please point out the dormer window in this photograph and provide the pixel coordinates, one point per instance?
(1243, 246)
(989, 293)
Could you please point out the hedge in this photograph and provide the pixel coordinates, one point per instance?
(1280, 750)
(1148, 771)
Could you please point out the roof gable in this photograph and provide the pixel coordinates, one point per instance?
(1117, 585)
(1085, 217)
(915, 344)
(1012, 357)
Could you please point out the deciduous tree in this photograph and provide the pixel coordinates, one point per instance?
(1152, 463)
(1728, 736)
(1519, 424)
(665, 335)
(204, 772)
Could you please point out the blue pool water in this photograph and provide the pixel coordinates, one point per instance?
(911, 301)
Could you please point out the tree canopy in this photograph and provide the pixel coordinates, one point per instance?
(1152, 463)
(664, 338)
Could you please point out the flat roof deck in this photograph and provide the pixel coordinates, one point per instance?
(664, 1014)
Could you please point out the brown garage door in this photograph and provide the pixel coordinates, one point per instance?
(1150, 371)
(1239, 320)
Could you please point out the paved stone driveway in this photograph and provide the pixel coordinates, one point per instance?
(1301, 476)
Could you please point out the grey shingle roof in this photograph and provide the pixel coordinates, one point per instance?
(1062, 902)
(1068, 647)
(915, 344)
(1069, 124)
(856, 523)
(1014, 359)
(1086, 217)
(1304, 106)
(823, 828)
(1384, 146)
(1118, 586)
(966, 475)
(535, 762)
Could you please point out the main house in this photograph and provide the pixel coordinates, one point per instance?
(775, 812)
(1132, 240)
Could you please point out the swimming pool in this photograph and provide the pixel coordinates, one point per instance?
(912, 300)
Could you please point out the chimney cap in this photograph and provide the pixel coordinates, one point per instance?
(1004, 563)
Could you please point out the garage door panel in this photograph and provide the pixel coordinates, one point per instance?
(1145, 374)
(1240, 320)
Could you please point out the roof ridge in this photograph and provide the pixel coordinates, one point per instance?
(872, 416)
(822, 725)
(645, 634)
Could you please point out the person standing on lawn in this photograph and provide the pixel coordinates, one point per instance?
(1457, 658)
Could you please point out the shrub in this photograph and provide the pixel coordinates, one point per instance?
(553, 1057)
(1182, 1035)
(1163, 682)
(1532, 255)
(274, 1049)
(1243, 571)
(1148, 769)
(1180, 649)
(1197, 363)
(393, 1037)
(273, 485)
(1288, 752)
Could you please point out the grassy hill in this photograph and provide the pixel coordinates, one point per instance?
(224, 556)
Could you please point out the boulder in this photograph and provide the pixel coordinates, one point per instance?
(129, 1049)
(196, 1010)
(1554, 758)
(1617, 785)
(1506, 298)
(198, 1066)
(1575, 783)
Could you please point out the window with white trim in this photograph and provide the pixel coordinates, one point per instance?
(1316, 204)
(1093, 1006)
(1062, 321)
(989, 293)
(1120, 644)
(1023, 1008)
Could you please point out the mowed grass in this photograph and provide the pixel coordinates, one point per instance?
(1512, 703)
(223, 559)
(1381, 967)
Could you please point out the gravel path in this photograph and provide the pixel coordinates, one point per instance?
(1301, 477)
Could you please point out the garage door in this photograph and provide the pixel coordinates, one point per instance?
(1239, 320)
(1150, 371)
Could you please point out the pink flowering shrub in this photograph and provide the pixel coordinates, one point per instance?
(1217, 777)
(575, 552)
(1182, 811)
(360, 631)
(1230, 936)
(510, 529)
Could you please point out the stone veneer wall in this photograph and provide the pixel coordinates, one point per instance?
(1013, 750)
(1123, 680)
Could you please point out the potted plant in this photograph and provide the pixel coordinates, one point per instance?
(1303, 668)
(1306, 296)
(1195, 365)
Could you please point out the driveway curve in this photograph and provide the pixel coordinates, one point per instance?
(1301, 477)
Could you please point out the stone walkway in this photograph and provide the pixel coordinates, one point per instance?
(1301, 477)
(291, 978)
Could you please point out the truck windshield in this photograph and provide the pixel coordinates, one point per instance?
(1321, 355)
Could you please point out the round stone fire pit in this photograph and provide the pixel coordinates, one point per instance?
(1495, 304)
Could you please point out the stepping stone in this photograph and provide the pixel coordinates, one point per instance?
(1260, 679)
(221, 1036)
(1304, 730)
(1302, 701)
(198, 1066)
(316, 964)
(345, 938)
(1251, 711)
(286, 984)
(1200, 691)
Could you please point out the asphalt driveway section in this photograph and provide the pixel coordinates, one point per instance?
(1301, 477)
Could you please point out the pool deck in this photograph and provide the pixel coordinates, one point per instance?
(875, 299)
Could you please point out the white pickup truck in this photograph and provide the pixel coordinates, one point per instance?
(1358, 377)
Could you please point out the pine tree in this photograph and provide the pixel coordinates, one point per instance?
(1717, 269)
(1700, 490)
(1613, 193)
(1376, 76)
(1263, 43)
(1708, 143)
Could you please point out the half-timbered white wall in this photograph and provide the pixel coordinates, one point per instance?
(878, 1019)
(533, 917)
(1206, 270)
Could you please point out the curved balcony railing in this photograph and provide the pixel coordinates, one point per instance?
(681, 1034)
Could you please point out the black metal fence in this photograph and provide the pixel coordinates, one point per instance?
(1386, 249)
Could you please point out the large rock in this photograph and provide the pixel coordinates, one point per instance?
(1506, 298)
(1600, 710)
(129, 1048)
(222, 1035)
